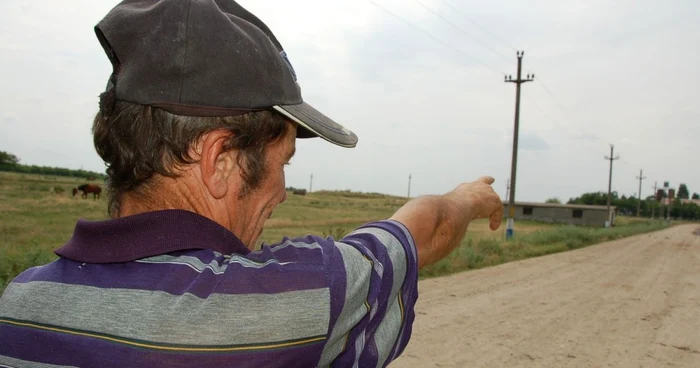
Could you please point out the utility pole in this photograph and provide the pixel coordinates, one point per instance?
(654, 201)
(639, 204)
(507, 188)
(409, 186)
(514, 161)
(311, 182)
(611, 158)
(665, 212)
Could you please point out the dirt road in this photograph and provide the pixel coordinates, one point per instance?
(629, 303)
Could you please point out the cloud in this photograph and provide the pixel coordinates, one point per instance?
(533, 142)
(9, 120)
(587, 137)
(619, 72)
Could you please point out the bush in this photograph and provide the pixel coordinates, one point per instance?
(574, 243)
(13, 263)
(337, 233)
(491, 251)
(45, 170)
(490, 246)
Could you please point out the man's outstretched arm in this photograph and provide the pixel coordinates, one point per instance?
(438, 223)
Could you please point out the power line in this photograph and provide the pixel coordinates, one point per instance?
(446, 44)
(549, 92)
(559, 106)
(506, 43)
(462, 31)
(450, 46)
(552, 119)
(539, 108)
(555, 121)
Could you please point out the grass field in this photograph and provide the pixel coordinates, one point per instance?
(38, 214)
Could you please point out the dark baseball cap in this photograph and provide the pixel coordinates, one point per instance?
(205, 58)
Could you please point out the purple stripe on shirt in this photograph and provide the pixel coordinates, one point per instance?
(293, 250)
(178, 279)
(336, 278)
(44, 346)
(147, 234)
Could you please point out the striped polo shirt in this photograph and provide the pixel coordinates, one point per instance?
(175, 289)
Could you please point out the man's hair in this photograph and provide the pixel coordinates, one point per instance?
(137, 141)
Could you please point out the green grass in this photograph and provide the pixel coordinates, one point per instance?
(38, 214)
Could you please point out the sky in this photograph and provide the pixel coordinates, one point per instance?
(421, 82)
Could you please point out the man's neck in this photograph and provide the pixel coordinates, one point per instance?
(183, 193)
(163, 193)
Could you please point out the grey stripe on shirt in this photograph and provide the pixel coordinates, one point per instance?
(6, 361)
(388, 330)
(156, 316)
(358, 271)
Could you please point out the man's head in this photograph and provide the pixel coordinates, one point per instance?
(140, 142)
(202, 100)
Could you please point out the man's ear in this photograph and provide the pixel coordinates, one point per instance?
(217, 165)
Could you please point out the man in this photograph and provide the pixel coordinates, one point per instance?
(199, 118)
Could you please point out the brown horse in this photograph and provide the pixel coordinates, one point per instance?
(88, 188)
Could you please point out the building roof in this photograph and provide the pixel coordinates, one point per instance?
(557, 205)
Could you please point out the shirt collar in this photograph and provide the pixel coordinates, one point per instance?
(129, 238)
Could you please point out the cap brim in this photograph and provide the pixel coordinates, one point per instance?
(312, 123)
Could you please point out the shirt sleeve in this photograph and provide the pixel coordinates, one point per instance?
(373, 278)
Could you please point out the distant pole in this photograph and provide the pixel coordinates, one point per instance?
(507, 188)
(514, 161)
(409, 186)
(611, 158)
(639, 204)
(665, 210)
(653, 207)
(311, 182)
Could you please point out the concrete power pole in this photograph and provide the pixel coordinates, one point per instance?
(639, 204)
(664, 211)
(611, 159)
(514, 161)
(409, 186)
(507, 188)
(653, 207)
(311, 182)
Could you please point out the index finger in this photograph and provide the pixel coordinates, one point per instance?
(487, 179)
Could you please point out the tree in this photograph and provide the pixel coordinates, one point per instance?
(597, 198)
(8, 158)
(696, 196)
(553, 200)
(626, 205)
(683, 192)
